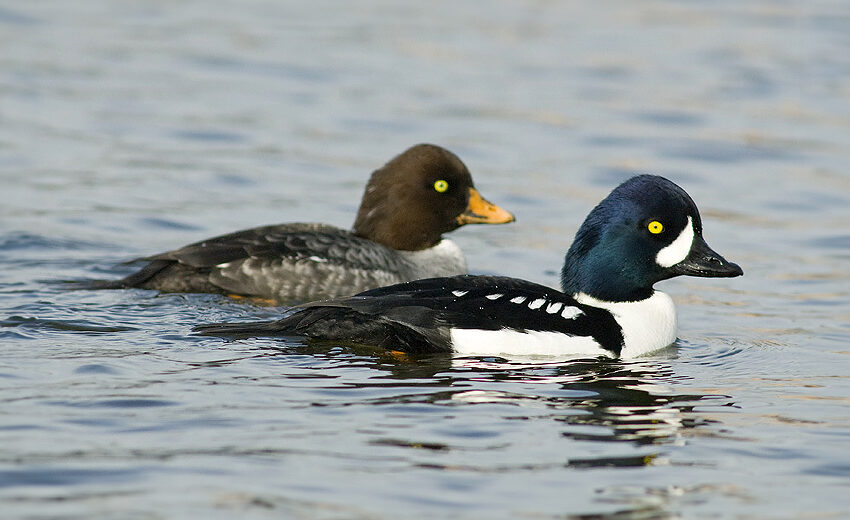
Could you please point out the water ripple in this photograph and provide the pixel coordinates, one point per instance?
(61, 325)
(63, 476)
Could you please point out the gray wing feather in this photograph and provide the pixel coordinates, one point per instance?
(292, 262)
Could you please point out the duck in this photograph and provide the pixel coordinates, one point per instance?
(648, 229)
(406, 208)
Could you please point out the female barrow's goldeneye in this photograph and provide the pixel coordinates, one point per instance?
(647, 230)
(407, 206)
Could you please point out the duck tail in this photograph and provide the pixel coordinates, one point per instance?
(251, 328)
(133, 280)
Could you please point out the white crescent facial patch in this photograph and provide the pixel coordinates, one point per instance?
(679, 249)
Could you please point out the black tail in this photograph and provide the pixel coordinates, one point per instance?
(296, 324)
(251, 328)
(339, 324)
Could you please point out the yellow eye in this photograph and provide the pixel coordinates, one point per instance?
(655, 227)
(441, 186)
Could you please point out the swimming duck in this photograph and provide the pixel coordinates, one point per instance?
(407, 206)
(646, 230)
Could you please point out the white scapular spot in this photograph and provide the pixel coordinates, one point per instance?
(570, 312)
(536, 304)
(552, 308)
(494, 296)
(518, 299)
(459, 293)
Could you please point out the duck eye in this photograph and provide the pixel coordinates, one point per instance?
(655, 227)
(441, 186)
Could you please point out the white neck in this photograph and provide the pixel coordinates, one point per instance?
(648, 324)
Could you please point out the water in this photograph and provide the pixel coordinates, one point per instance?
(130, 128)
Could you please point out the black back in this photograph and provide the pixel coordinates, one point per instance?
(417, 316)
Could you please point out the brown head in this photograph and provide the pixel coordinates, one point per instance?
(419, 195)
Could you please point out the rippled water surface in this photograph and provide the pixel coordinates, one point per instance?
(130, 128)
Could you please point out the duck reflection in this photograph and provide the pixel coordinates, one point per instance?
(639, 402)
(603, 400)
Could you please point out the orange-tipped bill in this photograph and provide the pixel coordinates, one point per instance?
(481, 211)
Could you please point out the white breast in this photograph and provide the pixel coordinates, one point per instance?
(648, 325)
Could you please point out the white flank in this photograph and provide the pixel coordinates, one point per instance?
(225, 265)
(648, 325)
(679, 249)
(318, 259)
(506, 342)
(536, 304)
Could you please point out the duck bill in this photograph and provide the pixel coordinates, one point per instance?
(481, 211)
(703, 261)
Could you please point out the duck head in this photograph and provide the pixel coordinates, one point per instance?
(419, 195)
(646, 230)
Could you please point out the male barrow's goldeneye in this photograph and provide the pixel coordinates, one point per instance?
(407, 206)
(647, 230)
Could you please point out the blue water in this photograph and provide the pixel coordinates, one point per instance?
(132, 128)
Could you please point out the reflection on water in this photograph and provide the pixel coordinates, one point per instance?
(610, 401)
(595, 400)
